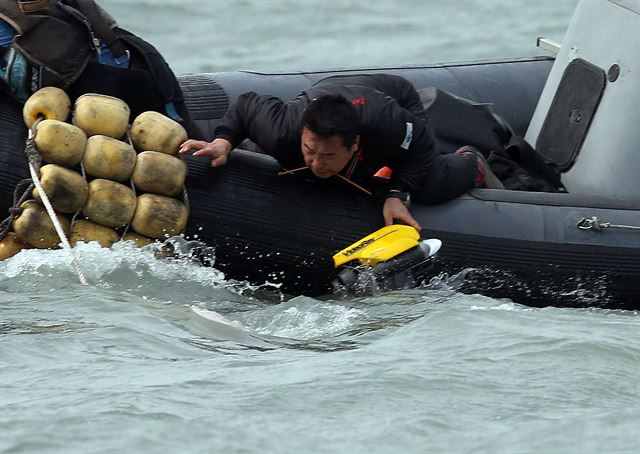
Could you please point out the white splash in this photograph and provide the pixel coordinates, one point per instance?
(304, 318)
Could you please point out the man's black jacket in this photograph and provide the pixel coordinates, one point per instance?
(390, 135)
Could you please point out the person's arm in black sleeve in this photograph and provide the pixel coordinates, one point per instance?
(410, 146)
(263, 119)
(414, 143)
(410, 162)
(255, 117)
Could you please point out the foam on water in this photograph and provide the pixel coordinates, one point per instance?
(99, 263)
(303, 318)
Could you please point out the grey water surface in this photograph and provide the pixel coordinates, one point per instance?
(165, 356)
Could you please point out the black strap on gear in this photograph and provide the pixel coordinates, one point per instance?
(100, 27)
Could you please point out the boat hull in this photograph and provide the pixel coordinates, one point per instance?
(528, 247)
(523, 246)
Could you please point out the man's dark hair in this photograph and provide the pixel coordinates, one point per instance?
(332, 115)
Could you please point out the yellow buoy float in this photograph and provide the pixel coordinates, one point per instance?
(101, 114)
(159, 217)
(152, 131)
(50, 103)
(11, 245)
(137, 239)
(109, 203)
(159, 173)
(94, 142)
(109, 158)
(67, 190)
(87, 231)
(34, 226)
(60, 143)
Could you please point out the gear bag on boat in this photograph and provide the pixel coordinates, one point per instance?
(76, 45)
(458, 121)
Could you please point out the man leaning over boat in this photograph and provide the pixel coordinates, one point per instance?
(354, 129)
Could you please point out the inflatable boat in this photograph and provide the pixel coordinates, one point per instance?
(579, 248)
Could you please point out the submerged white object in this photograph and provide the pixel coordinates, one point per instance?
(604, 33)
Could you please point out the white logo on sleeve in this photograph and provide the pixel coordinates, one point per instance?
(407, 137)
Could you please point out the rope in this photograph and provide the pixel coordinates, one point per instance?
(286, 172)
(34, 165)
(343, 178)
(125, 230)
(56, 223)
(5, 226)
(351, 182)
(185, 199)
(128, 140)
(185, 196)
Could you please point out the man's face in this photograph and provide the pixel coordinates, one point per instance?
(325, 156)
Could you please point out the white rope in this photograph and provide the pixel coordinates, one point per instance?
(56, 223)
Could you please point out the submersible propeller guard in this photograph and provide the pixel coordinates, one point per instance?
(389, 256)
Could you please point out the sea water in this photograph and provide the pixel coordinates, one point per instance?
(165, 356)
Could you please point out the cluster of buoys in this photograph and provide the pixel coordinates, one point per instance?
(106, 180)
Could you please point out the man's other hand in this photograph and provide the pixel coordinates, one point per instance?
(218, 150)
(395, 209)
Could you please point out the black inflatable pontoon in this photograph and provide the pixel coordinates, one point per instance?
(535, 248)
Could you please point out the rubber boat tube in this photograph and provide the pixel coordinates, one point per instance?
(524, 246)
